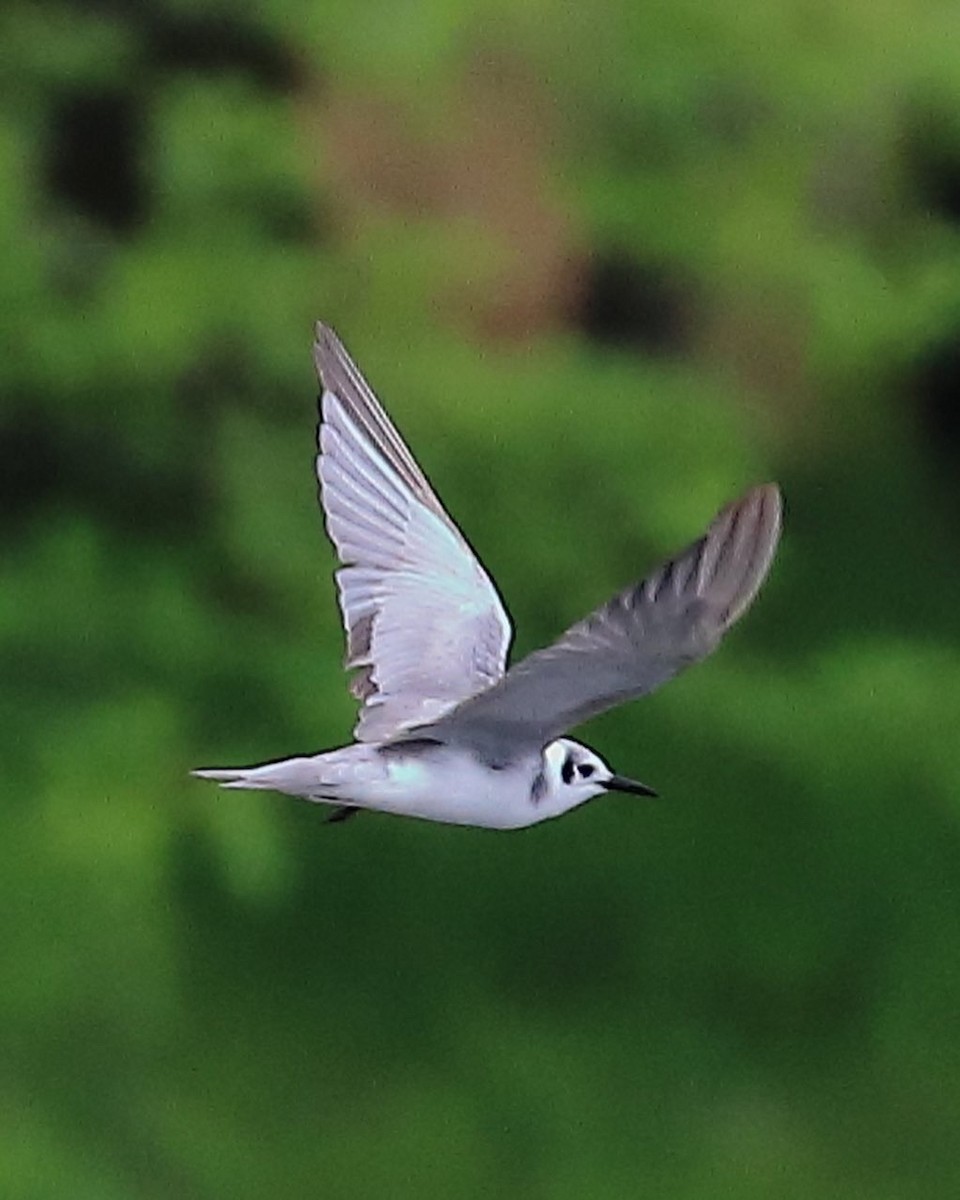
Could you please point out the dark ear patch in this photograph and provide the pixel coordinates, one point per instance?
(566, 771)
(539, 787)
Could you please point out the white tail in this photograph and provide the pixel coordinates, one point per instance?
(295, 776)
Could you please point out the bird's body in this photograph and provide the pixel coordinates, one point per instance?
(446, 732)
(414, 778)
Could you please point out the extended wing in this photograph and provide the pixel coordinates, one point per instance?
(635, 642)
(425, 626)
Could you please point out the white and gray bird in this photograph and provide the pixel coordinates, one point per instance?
(446, 731)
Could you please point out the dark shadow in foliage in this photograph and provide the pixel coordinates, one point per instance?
(217, 41)
(932, 161)
(634, 304)
(937, 388)
(93, 157)
(91, 470)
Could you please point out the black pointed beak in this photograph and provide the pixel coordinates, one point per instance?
(619, 783)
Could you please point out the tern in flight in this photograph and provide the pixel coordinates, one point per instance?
(447, 731)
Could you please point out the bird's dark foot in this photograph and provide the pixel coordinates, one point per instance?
(343, 813)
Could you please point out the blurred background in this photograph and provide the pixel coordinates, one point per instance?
(608, 265)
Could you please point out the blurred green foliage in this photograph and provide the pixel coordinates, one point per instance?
(606, 266)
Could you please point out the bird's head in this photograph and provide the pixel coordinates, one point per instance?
(573, 774)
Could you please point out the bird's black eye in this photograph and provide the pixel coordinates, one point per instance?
(566, 771)
(586, 770)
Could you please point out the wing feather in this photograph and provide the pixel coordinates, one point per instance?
(424, 624)
(637, 641)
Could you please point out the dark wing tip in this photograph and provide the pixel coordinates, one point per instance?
(325, 335)
(328, 353)
(738, 549)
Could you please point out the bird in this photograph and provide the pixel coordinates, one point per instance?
(446, 730)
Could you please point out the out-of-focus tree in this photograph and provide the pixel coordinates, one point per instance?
(606, 266)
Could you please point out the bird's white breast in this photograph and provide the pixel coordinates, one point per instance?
(451, 785)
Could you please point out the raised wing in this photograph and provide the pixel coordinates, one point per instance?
(635, 642)
(425, 626)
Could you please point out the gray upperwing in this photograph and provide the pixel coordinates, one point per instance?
(638, 640)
